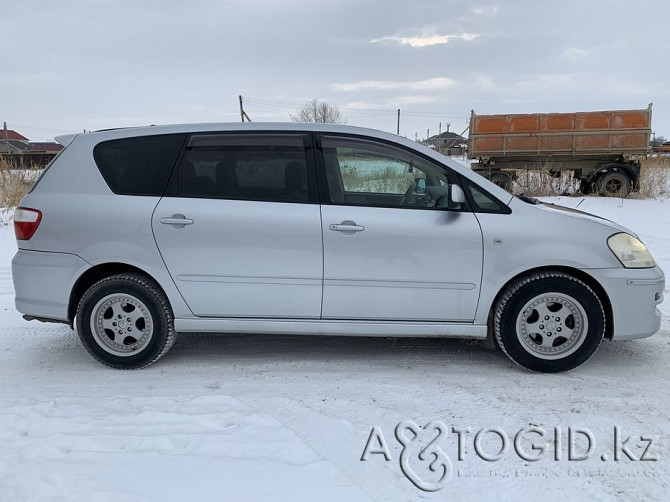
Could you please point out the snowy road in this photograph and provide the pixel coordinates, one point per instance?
(256, 417)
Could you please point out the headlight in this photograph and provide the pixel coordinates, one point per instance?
(630, 251)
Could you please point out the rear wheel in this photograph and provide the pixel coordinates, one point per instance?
(549, 322)
(614, 184)
(125, 321)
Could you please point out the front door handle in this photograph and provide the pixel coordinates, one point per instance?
(347, 227)
(177, 221)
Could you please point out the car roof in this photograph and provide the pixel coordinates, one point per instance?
(240, 126)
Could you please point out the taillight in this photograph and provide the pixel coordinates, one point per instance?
(26, 221)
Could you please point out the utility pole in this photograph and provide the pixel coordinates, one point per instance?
(4, 125)
(440, 129)
(398, 127)
(243, 114)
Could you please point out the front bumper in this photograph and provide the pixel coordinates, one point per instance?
(635, 295)
(43, 282)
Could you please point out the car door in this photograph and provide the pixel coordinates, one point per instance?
(239, 228)
(392, 250)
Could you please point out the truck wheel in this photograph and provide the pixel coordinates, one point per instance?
(125, 321)
(614, 184)
(502, 180)
(549, 322)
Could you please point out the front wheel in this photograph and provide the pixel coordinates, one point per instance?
(549, 322)
(125, 321)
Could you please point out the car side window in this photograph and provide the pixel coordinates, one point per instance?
(138, 165)
(250, 167)
(483, 202)
(368, 173)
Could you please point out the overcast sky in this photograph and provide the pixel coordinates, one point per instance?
(67, 66)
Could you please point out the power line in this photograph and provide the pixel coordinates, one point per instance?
(359, 112)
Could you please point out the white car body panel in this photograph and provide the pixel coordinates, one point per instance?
(244, 258)
(405, 265)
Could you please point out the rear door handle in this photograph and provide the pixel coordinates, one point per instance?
(347, 227)
(177, 221)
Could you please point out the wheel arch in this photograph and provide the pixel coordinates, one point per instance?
(93, 275)
(628, 169)
(587, 279)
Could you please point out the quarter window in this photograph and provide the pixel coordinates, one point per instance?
(482, 201)
(140, 165)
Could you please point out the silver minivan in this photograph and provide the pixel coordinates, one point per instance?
(135, 235)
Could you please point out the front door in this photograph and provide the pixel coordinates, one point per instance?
(392, 250)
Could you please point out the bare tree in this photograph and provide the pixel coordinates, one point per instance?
(318, 111)
(657, 140)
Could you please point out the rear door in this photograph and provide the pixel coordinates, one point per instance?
(240, 229)
(392, 251)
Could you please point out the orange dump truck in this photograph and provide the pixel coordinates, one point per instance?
(602, 149)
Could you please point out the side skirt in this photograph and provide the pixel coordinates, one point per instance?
(332, 327)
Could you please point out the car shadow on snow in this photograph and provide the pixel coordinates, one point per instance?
(380, 351)
(61, 347)
(239, 348)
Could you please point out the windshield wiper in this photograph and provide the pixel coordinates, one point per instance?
(528, 199)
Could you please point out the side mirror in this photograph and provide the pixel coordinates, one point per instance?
(456, 197)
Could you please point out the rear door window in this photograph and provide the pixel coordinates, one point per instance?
(265, 167)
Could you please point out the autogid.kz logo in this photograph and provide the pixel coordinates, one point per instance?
(425, 463)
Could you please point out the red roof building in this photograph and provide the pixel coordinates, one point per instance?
(19, 150)
(12, 135)
(45, 146)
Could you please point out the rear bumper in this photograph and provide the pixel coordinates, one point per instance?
(635, 295)
(43, 282)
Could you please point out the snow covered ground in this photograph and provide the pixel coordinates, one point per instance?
(287, 418)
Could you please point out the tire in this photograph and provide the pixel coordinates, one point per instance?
(502, 180)
(549, 322)
(115, 310)
(614, 184)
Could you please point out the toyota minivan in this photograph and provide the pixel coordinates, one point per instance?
(134, 235)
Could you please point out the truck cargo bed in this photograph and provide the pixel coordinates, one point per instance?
(605, 134)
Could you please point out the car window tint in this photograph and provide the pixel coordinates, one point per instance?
(256, 167)
(138, 166)
(363, 172)
(482, 201)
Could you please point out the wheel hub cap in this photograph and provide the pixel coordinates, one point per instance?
(552, 326)
(121, 324)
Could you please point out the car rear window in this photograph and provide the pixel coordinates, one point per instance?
(140, 165)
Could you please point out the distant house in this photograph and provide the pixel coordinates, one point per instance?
(45, 146)
(448, 143)
(17, 149)
(13, 135)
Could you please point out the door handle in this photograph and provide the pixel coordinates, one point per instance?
(177, 221)
(347, 227)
